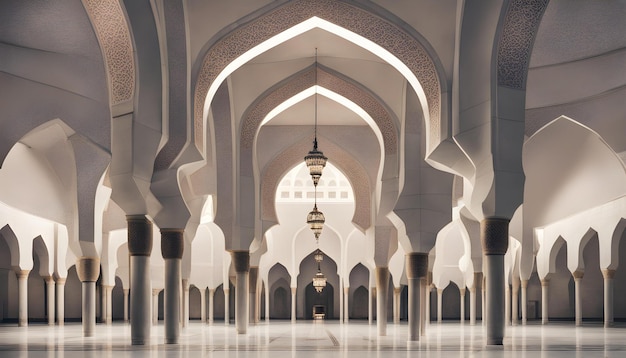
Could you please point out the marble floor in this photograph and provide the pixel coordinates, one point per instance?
(314, 339)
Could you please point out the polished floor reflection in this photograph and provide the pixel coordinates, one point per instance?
(315, 339)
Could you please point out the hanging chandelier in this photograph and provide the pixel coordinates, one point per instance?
(319, 280)
(315, 160)
(316, 219)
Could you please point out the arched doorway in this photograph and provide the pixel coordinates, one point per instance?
(359, 304)
(321, 299)
(281, 306)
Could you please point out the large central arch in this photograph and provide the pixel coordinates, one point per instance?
(406, 53)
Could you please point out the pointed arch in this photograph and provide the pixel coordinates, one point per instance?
(410, 55)
(327, 79)
(14, 247)
(554, 251)
(45, 257)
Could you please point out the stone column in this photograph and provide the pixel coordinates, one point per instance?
(578, 276)
(507, 304)
(211, 309)
(416, 266)
(22, 296)
(126, 297)
(382, 289)
(483, 293)
(267, 304)
(155, 306)
(462, 294)
(253, 298)
(608, 275)
(60, 301)
(108, 306)
(139, 249)
(341, 305)
(370, 305)
(346, 300)
(524, 303)
(88, 270)
(227, 306)
(423, 292)
(439, 305)
(515, 302)
(241, 261)
(428, 287)
(172, 247)
(472, 304)
(293, 304)
(50, 296)
(203, 305)
(494, 233)
(396, 305)
(185, 302)
(478, 277)
(545, 284)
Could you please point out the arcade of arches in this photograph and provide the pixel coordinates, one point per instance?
(151, 163)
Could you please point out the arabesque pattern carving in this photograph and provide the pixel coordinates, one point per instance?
(516, 43)
(113, 34)
(389, 36)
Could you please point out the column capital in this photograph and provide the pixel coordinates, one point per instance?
(172, 243)
(22, 274)
(346, 290)
(294, 290)
(524, 283)
(139, 235)
(439, 291)
(578, 274)
(416, 265)
(155, 291)
(49, 280)
(88, 269)
(545, 282)
(60, 280)
(397, 290)
(494, 234)
(462, 291)
(608, 273)
(241, 260)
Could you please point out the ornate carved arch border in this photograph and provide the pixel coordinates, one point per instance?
(109, 23)
(375, 28)
(355, 173)
(519, 29)
(300, 82)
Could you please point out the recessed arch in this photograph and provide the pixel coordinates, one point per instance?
(12, 242)
(554, 251)
(45, 258)
(402, 50)
(589, 234)
(618, 234)
(298, 83)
